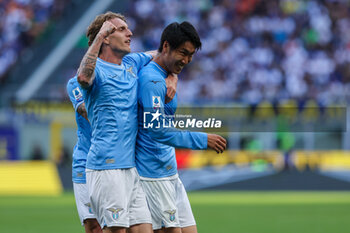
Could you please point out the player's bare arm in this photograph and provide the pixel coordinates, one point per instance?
(88, 63)
(82, 111)
(216, 143)
(171, 87)
(153, 53)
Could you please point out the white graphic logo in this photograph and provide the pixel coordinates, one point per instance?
(156, 120)
(156, 101)
(77, 93)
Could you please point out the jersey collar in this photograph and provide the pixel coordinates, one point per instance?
(160, 68)
(108, 63)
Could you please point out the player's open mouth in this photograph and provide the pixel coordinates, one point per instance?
(180, 67)
(128, 42)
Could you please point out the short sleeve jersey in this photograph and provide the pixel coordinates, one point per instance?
(111, 103)
(155, 153)
(81, 149)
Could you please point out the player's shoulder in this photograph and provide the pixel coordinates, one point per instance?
(73, 82)
(73, 89)
(135, 57)
(131, 55)
(149, 75)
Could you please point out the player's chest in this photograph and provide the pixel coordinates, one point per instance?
(120, 78)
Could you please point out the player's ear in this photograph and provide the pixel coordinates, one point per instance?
(166, 47)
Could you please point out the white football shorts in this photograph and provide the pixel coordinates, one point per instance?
(83, 202)
(117, 197)
(168, 202)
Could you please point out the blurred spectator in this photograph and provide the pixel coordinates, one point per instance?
(256, 50)
(37, 153)
(21, 22)
(65, 158)
(253, 50)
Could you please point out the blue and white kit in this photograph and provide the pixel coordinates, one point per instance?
(111, 103)
(114, 185)
(80, 152)
(155, 153)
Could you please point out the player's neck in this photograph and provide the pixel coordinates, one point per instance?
(158, 59)
(112, 57)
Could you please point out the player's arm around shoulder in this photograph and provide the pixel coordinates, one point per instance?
(138, 60)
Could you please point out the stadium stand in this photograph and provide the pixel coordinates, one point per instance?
(253, 51)
(36, 28)
(23, 22)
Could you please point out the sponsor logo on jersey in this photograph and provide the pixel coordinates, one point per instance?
(156, 101)
(110, 161)
(113, 76)
(171, 214)
(77, 94)
(115, 212)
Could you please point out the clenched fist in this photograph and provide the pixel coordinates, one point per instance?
(107, 29)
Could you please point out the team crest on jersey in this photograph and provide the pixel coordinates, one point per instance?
(156, 101)
(115, 212)
(77, 94)
(89, 206)
(171, 214)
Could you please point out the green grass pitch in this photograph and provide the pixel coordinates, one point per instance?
(219, 212)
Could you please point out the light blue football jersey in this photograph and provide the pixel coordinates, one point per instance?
(111, 103)
(155, 153)
(81, 149)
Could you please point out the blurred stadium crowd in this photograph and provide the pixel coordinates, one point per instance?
(22, 22)
(257, 50)
(253, 50)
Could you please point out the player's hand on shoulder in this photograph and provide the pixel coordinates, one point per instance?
(107, 29)
(171, 86)
(216, 142)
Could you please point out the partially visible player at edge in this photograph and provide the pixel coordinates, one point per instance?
(108, 75)
(156, 163)
(81, 149)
